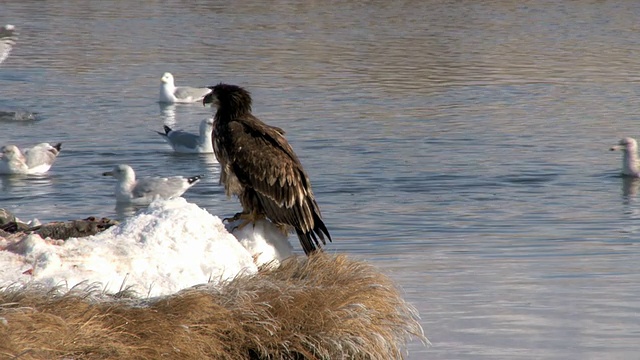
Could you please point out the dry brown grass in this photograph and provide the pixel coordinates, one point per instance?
(326, 307)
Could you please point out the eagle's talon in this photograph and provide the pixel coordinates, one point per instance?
(235, 217)
(241, 225)
(246, 217)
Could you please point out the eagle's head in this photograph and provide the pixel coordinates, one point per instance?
(229, 98)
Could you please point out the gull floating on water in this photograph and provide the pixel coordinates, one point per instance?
(144, 191)
(184, 142)
(629, 148)
(171, 94)
(17, 115)
(7, 39)
(37, 160)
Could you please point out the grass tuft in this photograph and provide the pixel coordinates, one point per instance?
(322, 307)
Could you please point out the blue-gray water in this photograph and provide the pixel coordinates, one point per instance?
(460, 146)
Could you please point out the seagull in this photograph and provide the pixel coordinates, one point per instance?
(184, 142)
(629, 148)
(143, 191)
(171, 94)
(37, 160)
(7, 39)
(18, 115)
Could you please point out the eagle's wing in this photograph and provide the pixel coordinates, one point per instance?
(262, 159)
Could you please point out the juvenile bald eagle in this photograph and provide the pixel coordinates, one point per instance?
(259, 166)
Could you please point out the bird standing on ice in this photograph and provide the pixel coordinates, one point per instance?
(144, 191)
(172, 94)
(258, 165)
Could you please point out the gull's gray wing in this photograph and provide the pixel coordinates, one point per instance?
(42, 154)
(162, 187)
(179, 138)
(186, 92)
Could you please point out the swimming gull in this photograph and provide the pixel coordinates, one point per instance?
(7, 39)
(184, 142)
(171, 94)
(629, 148)
(37, 160)
(143, 191)
(17, 115)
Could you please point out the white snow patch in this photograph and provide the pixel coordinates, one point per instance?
(169, 246)
(264, 241)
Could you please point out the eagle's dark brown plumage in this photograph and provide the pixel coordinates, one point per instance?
(259, 166)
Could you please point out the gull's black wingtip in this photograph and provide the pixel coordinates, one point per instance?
(194, 179)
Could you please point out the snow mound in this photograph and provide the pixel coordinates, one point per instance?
(167, 247)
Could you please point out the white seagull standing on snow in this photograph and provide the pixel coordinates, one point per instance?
(171, 94)
(184, 142)
(7, 39)
(144, 191)
(37, 160)
(629, 148)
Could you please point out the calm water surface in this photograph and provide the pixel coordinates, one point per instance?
(460, 146)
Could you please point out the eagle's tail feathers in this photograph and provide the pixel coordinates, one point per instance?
(310, 240)
(306, 241)
(320, 228)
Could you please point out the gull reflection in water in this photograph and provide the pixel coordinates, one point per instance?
(209, 161)
(168, 114)
(630, 187)
(35, 184)
(124, 210)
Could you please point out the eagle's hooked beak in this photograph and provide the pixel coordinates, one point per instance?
(207, 99)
